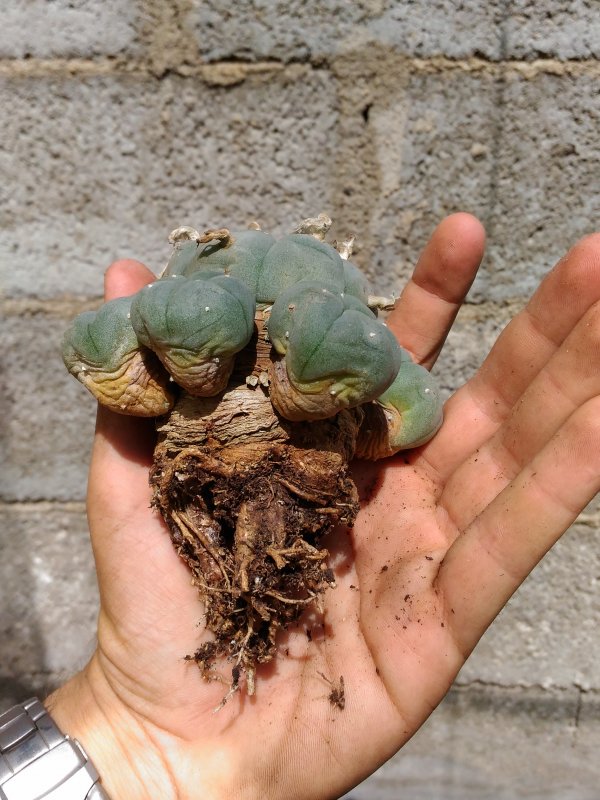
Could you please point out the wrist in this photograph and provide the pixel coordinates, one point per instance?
(118, 744)
(37, 759)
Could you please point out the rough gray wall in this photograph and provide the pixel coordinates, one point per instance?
(121, 120)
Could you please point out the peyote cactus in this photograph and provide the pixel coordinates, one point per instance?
(268, 371)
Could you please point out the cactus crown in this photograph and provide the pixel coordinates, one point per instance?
(329, 349)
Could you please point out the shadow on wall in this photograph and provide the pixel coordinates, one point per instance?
(48, 598)
(22, 649)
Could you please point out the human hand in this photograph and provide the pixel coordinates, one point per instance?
(445, 535)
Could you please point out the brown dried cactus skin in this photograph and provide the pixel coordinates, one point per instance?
(295, 405)
(373, 441)
(204, 379)
(138, 386)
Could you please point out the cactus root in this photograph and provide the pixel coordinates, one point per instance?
(247, 497)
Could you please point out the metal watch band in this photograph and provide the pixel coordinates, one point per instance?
(39, 762)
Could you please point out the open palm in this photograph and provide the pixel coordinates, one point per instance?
(445, 535)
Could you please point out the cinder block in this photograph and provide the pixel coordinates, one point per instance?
(546, 181)
(587, 730)
(505, 744)
(39, 29)
(106, 167)
(48, 598)
(387, 157)
(563, 29)
(48, 418)
(412, 148)
(455, 30)
(318, 31)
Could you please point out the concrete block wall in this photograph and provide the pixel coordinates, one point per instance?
(122, 119)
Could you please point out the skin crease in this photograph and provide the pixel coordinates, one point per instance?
(446, 534)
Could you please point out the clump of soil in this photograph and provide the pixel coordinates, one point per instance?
(247, 497)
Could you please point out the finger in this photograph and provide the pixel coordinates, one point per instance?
(569, 379)
(429, 303)
(491, 559)
(477, 410)
(146, 596)
(125, 277)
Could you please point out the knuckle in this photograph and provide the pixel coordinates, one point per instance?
(577, 275)
(585, 424)
(589, 328)
(589, 244)
(585, 254)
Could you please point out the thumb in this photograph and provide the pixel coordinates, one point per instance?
(125, 277)
(122, 444)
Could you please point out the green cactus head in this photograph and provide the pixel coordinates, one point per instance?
(240, 253)
(195, 326)
(413, 406)
(101, 350)
(265, 265)
(337, 354)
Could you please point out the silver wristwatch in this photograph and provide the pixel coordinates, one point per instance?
(38, 762)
